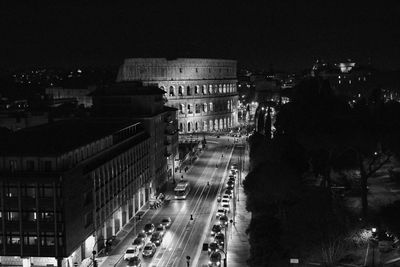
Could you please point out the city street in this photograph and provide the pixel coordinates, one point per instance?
(185, 237)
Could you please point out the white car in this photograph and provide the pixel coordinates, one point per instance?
(226, 196)
(131, 252)
(220, 212)
(225, 201)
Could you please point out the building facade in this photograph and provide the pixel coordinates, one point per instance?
(202, 90)
(62, 198)
(145, 104)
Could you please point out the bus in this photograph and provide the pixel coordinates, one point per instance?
(181, 190)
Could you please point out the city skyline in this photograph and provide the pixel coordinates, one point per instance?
(276, 34)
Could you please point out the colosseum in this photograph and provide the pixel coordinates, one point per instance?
(203, 90)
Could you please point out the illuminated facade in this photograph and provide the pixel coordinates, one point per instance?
(62, 198)
(203, 90)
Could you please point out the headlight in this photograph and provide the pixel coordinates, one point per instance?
(212, 232)
(209, 250)
(209, 263)
(176, 197)
(218, 263)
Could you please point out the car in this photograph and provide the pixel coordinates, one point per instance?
(215, 229)
(149, 228)
(231, 176)
(233, 172)
(138, 242)
(230, 183)
(231, 179)
(226, 207)
(225, 201)
(135, 262)
(234, 166)
(149, 250)
(161, 229)
(218, 198)
(156, 238)
(130, 253)
(220, 212)
(142, 235)
(219, 239)
(223, 220)
(230, 187)
(228, 192)
(213, 247)
(215, 260)
(166, 222)
(226, 196)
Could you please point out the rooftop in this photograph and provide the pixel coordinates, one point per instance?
(59, 137)
(127, 88)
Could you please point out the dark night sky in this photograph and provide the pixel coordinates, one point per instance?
(287, 35)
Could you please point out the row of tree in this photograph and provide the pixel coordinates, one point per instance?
(319, 132)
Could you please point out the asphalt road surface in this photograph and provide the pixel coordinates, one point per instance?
(185, 237)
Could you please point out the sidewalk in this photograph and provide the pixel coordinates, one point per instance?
(238, 244)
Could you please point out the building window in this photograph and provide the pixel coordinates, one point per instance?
(13, 216)
(210, 89)
(197, 109)
(180, 91)
(29, 216)
(28, 190)
(189, 109)
(47, 166)
(171, 91)
(205, 107)
(180, 70)
(197, 70)
(188, 92)
(12, 191)
(209, 70)
(13, 238)
(180, 127)
(196, 126)
(30, 239)
(196, 89)
(47, 216)
(220, 88)
(47, 239)
(211, 107)
(188, 127)
(46, 191)
(204, 90)
(13, 165)
(30, 165)
(181, 108)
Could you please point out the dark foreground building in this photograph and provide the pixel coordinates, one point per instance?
(68, 186)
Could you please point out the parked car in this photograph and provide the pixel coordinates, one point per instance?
(226, 201)
(220, 212)
(135, 262)
(226, 196)
(231, 179)
(139, 243)
(219, 239)
(226, 207)
(166, 222)
(149, 250)
(130, 253)
(215, 229)
(228, 192)
(223, 220)
(149, 228)
(142, 235)
(212, 247)
(215, 260)
(156, 238)
(161, 229)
